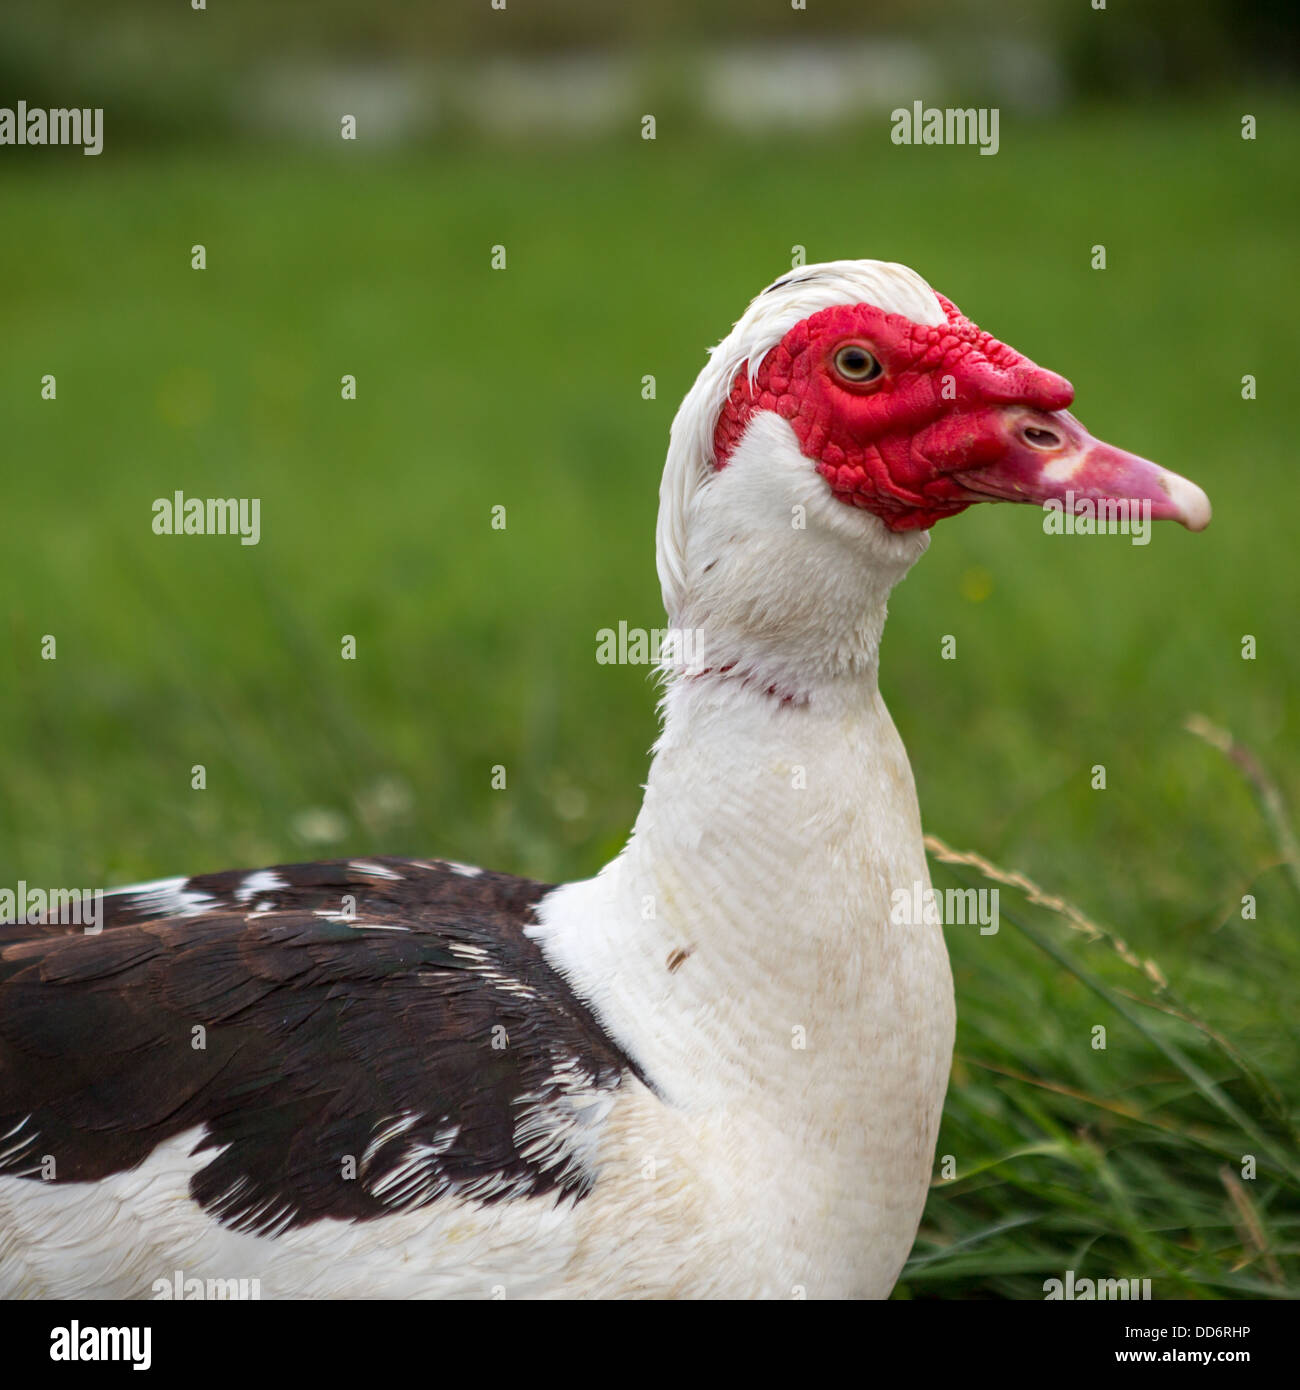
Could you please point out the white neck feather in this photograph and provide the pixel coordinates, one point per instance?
(782, 584)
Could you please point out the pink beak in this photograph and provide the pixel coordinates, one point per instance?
(1047, 455)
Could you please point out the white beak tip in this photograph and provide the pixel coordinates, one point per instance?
(1193, 506)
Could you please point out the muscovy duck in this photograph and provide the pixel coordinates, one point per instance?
(716, 1068)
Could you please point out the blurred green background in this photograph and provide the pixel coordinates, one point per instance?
(522, 387)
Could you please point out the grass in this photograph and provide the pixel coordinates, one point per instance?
(475, 647)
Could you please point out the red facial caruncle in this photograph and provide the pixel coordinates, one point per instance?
(915, 423)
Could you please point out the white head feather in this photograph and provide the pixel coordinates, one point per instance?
(771, 315)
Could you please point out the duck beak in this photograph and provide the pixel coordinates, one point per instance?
(1046, 456)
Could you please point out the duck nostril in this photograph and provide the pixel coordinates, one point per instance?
(1040, 438)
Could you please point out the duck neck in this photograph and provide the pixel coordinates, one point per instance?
(745, 930)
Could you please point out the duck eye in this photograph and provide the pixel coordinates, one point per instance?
(855, 363)
(1041, 438)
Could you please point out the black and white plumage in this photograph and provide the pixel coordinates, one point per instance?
(355, 1038)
